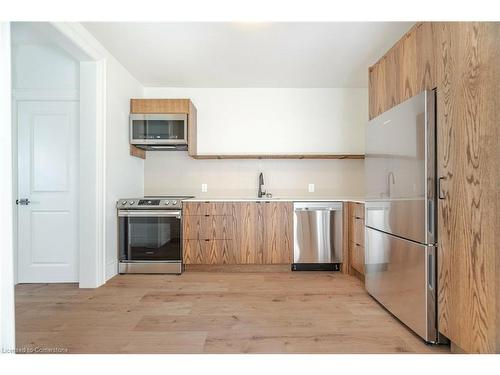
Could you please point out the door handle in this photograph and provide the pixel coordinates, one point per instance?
(23, 202)
(439, 187)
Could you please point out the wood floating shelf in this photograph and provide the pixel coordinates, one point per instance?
(291, 156)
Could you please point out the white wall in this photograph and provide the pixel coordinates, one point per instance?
(276, 121)
(124, 173)
(7, 317)
(43, 67)
(174, 172)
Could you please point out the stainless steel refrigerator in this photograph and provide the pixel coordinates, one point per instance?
(400, 218)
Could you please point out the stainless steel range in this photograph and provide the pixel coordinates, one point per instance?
(150, 234)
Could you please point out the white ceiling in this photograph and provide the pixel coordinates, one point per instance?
(205, 54)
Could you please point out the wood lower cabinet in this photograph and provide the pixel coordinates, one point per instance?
(277, 220)
(461, 60)
(238, 233)
(356, 234)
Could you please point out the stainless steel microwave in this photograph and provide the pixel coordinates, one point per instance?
(158, 129)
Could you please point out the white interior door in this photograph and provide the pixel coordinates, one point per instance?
(48, 178)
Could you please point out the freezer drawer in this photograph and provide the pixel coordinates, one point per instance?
(317, 232)
(400, 274)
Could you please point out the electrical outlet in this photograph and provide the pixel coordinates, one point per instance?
(204, 188)
(310, 188)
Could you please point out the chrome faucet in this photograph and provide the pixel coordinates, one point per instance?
(261, 193)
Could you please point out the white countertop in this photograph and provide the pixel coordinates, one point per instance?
(277, 199)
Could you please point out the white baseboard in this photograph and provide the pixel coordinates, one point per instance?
(111, 269)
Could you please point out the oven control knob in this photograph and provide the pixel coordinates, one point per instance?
(167, 203)
(124, 203)
(174, 202)
(131, 202)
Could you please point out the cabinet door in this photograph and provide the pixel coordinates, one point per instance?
(278, 232)
(468, 58)
(248, 232)
(392, 94)
(426, 59)
(408, 82)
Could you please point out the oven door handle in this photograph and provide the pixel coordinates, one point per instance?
(149, 213)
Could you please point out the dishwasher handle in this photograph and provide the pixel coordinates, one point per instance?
(318, 209)
(317, 206)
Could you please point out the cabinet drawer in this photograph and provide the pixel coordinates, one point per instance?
(358, 257)
(212, 227)
(358, 235)
(207, 208)
(209, 252)
(358, 210)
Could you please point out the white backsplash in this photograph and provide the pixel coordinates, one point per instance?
(174, 172)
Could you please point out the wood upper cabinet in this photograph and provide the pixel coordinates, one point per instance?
(405, 70)
(153, 106)
(461, 60)
(238, 232)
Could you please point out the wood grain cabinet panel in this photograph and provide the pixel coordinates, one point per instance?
(426, 56)
(358, 210)
(278, 232)
(468, 60)
(254, 232)
(356, 237)
(216, 227)
(248, 232)
(359, 231)
(358, 257)
(207, 208)
(408, 80)
(209, 252)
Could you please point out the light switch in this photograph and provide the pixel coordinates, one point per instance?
(311, 188)
(204, 188)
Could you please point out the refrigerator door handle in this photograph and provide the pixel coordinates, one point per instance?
(431, 272)
(430, 217)
(439, 187)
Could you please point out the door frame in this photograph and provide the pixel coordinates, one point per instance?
(76, 40)
(7, 315)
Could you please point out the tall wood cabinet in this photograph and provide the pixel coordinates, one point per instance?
(461, 60)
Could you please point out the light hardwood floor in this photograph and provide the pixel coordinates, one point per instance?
(201, 312)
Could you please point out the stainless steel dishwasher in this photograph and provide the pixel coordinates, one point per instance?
(317, 232)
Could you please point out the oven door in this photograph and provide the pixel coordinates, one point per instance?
(149, 236)
(158, 129)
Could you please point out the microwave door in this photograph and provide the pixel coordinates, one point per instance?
(138, 129)
(167, 129)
